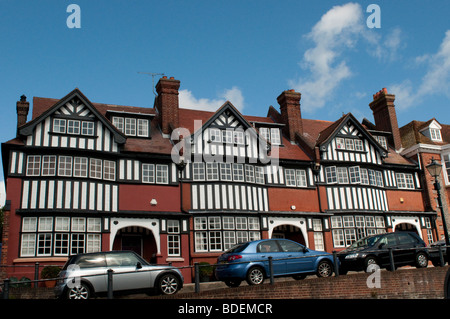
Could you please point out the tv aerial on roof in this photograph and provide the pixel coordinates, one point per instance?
(153, 78)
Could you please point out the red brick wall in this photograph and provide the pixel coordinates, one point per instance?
(427, 283)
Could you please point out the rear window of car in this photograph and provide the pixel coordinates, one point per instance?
(238, 248)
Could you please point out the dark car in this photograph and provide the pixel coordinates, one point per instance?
(407, 249)
(435, 255)
(250, 261)
(85, 275)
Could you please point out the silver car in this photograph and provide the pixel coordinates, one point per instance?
(86, 275)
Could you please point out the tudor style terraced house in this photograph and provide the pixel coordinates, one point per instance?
(181, 186)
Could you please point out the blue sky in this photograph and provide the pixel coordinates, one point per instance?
(244, 51)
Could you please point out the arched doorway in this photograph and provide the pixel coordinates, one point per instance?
(291, 232)
(406, 227)
(137, 239)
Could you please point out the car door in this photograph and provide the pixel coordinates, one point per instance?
(93, 268)
(298, 257)
(128, 272)
(403, 253)
(388, 241)
(270, 248)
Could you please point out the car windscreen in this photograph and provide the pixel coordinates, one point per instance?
(366, 242)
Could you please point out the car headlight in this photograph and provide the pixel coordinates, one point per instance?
(352, 256)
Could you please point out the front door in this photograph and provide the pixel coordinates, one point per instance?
(133, 243)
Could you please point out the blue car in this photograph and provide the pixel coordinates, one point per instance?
(250, 261)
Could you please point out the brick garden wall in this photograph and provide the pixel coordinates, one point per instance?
(425, 283)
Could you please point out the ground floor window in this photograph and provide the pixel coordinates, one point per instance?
(219, 233)
(173, 238)
(348, 229)
(59, 236)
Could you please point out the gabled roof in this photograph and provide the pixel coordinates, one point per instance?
(27, 128)
(411, 133)
(327, 135)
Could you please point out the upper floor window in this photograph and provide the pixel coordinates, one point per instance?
(353, 175)
(295, 177)
(131, 126)
(228, 136)
(350, 144)
(435, 134)
(271, 135)
(381, 140)
(73, 127)
(405, 180)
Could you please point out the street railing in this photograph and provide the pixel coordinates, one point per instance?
(7, 283)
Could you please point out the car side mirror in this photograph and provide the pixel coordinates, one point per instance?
(381, 246)
(305, 250)
(138, 265)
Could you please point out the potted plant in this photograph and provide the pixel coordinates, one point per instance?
(205, 271)
(50, 272)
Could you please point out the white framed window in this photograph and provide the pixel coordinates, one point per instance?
(148, 173)
(227, 136)
(95, 168)
(259, 175)
(330, 174)
(214, 135)
(340, 143)
(48, 165)
(404, 180)
(73, 127)
(33, 165)
(201, 241)
(265, 133)
(29, 224)
(44, 244)
(372, 177)
(382, 141)
(349, 144)
(142, 130)
(130, 126)
(214, 223)
(359, 146)
(80, 166)
(229, 239)
(93, 243)
(45, 224)
(28, 245)
(289, 176)
(65, 166)
(238, 172)
(198, 171)
(364, 176)
(94, 225)
(118, 122)
(225, 172)
(275, 138)
(238, 137)
(212, 171)
(342, 175)
(61, 244)
(62, 224)
(173, 238)
(253, 223)
(249, 173)
(435, 134)
(338, 237)
(109, 170)
(162, 174)
(241, 223)
(228, 222)
(87, 128)
(78, 224)
(379, 178)
(77, 243)
(59, 126)
(446, 160)
(300, 176)
(355, 176)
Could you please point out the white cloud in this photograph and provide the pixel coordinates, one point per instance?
(189, 101)
(2, 193)
(337, 30)
(435, 81)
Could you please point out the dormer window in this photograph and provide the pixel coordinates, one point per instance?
(435, 134)
(381, 140)
(432, 130)
(131, 126)
(271, 135)
(73, 127)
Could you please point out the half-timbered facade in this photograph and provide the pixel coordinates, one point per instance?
(181, 186)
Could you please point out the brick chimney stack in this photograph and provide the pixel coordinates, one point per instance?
(385, 117)
(22, 107)
(167, 103)
(290, 113)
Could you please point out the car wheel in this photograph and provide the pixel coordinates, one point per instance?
(79, 292)
(421, 260)
(233, 283)
(168, 284)
(255, 276)
(369, 261)
(324, 269)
